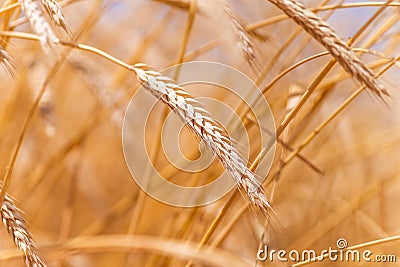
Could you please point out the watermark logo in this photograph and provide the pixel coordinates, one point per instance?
(341, 243)
(209, 82)
(342, 253)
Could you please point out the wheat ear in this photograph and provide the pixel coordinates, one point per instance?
(244, 43)
(17, 228)
(326, 36)
(207, 129)
(53, 8)
(35, 16)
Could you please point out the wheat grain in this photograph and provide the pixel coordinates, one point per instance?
(53, 8)
(206, 128)
(17, 228)
(39, 24)
(326, 36)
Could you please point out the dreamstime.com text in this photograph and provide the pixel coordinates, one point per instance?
(341, 253)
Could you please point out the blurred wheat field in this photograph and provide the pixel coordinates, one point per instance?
(335, 172)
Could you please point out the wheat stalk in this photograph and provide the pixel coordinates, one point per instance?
(206, 128)
(17, 228)
(326, 36)
(53, 8)
(39, 24)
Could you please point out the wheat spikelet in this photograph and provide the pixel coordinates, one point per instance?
(326, 36)
(39, 24)
(244, 43)
(54, 10)
(6, 60)
(16, 227)
(207, 129)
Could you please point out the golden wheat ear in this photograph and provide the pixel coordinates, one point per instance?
(17, 228)
(40, 26)
(327, 37)
(245, 45)
(207, 129)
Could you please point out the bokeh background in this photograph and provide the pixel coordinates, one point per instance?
(71, 179)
